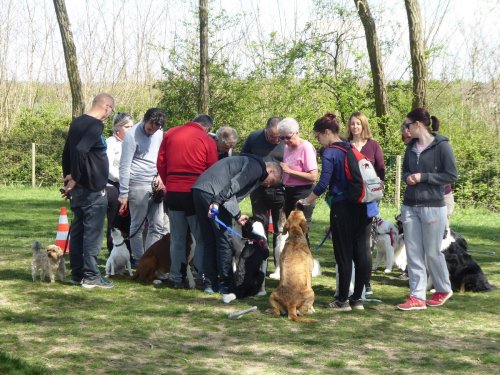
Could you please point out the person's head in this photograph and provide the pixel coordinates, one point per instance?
(419, 120)
(271, 130)
(121, 124)
(204, 120)
(405, 134)
(154, 119)
(326, 129)
(274, 174)
(226, 139)
(288, 129)
(358, 126)
(103, 106)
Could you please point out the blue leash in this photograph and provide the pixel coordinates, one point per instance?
(214, 213)
(324, 239)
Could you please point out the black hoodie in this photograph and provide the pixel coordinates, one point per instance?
(437, 166)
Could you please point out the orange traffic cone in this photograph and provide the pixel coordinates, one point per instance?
(62, 231)
(270, 226)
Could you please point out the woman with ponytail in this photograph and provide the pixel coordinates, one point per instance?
(428, 166)
(348, 220)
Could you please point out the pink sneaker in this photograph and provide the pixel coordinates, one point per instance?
(412, 303)
(438, 299)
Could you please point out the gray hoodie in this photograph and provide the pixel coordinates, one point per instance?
(438, 167)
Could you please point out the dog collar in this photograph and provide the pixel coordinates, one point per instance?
(119, 244)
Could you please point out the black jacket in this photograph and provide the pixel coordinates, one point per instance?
(438, 167)
(232, 179)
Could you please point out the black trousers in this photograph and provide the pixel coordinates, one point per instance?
(351, 241)
(114, 219)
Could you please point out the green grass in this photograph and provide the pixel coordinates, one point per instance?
(136, 329)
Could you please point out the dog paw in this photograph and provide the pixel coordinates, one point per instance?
(261, 293)
(227, 298)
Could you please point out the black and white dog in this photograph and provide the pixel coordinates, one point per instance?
(250, 260)
(465, 274)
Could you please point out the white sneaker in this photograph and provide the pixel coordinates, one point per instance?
(227, 298)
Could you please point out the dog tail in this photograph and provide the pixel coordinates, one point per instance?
(292, 315)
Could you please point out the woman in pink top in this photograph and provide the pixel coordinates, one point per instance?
(300, 168)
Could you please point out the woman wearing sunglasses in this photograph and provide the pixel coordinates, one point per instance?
(300, 168)
(428, 166)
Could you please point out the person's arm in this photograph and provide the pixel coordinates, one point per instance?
(379, 164)
(128, 150)
(161, 161)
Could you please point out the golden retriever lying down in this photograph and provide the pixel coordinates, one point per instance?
(294, 291)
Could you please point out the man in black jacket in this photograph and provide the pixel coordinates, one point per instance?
(219, 189)
(85, 168)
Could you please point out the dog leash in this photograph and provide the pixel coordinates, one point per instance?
(327, 234)
(213, 214)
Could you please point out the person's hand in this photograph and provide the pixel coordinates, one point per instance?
(69, 184)
(303, 202)
(213, 210)
(413, 179)
(285, 167)
(123, 205)
(242, 220)
(158, 183)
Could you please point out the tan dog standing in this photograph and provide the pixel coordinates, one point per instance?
(294, 291)
(48, 261)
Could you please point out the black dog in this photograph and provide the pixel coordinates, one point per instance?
(252, 262)
(465, 273)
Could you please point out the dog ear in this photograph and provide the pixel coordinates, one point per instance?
(285, 228)
(303, 225)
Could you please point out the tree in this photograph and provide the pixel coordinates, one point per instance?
(373, 46)
(417, 51)
(204, 94)
(70, 57)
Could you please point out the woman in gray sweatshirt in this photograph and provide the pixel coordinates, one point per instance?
(428, 166)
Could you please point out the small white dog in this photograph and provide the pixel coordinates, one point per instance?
(49, 260)
(386, 239)
(119, 259)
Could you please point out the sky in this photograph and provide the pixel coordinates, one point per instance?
(135, 34)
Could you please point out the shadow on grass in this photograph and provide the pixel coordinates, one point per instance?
(13, 365)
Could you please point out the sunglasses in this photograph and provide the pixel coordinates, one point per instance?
(406, 125)
(287, 138)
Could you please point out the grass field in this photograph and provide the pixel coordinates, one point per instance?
(136, 329)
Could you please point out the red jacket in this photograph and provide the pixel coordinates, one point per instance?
(185, 152)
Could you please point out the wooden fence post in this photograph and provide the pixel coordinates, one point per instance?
(397, 190)
(33, 155)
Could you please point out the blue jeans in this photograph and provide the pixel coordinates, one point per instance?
(87, 231)
(423, 229)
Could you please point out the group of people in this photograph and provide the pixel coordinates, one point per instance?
(276, 167)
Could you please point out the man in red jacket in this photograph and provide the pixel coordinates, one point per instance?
(185, 152)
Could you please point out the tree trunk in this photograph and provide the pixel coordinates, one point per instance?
(417, 51)
(70, 57)
(204, 94)
(373, 46)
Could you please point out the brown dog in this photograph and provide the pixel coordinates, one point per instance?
(294, 291)
(157, 259)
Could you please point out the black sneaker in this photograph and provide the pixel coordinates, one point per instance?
(356, 304)
(98, 282)
(340, 306)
